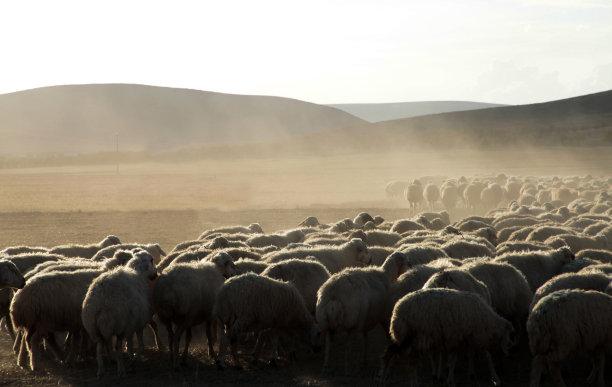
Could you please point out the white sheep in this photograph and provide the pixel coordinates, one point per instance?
(431, 193)
(382, 238)
(84, 251)
(421, 254)
(355, 301)
(245, 265)
(568, 322)
(449, 195)
(352, 253)
(154, 249)
(310, 221)
(583, 281)
(414, 194)
(462, 248)
(253, 228)
(16, 250)
(432, 321)
(509, 290)
(184, 296)
(118, 305)
(403, 225)
(255, 303)
(459, 280)
(491, 195)
(306, 276)
(541, 233)
(278, 240)
(538, 266)
(578, 242)
(604, 256)
(516, 246)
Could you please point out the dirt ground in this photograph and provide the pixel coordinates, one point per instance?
(170, 203)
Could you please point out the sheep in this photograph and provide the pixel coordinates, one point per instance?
(431, 194)
(85, 251)
(462, 248)
(395, 188)
(352, 253)
(306, 276)
(459, 280)
(504, 234)
(523, 221)
(509, 290)
(449, 196)
(514, 246)
(245, 265)
(362, 218)
(541, 233)
(422, 254)
(382, 238)
(279, 240)
(566, 322)
(595, 228)
(444, 320)
(379, 254)
(26, 262)
(182, 256)
(404, 225)
(538, 266)
(16, 250)
(35, 308)
(253, 228)
(604, 256)
(238, 253)
(10, 276)
(583, 281)
(414, 194)
(184, 296)
(310, 221)
(255, 303)
(578, 242)
(491, 195)
(355, 301)
(154, 249)
(605, 268)
(118, 305)
(410, 281)
(471, 195)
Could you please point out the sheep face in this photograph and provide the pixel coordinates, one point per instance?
(10, 275)
(362, 254)
(565, 255)
(225, 263)
(143, 263)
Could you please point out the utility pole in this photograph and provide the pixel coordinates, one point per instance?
(117, 151)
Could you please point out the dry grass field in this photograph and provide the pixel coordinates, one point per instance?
(170, 203)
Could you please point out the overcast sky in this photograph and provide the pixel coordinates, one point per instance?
(323, 51)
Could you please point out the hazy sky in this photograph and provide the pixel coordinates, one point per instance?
(323, 51)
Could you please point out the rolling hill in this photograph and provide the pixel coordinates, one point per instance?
(579, 121)
(376, 112)
(85, 118)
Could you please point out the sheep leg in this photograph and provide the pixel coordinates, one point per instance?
(494, 377)
(8, 324)
(209, 339)
(158, 341)
(51, 342)
(175, 346)
(537, 366)
(17, 341)
(258, 345)
(186, 349)
(555, 373)
(233, 350)
(327, 350)
(33, 340)
(390, 352)
(168, 326)
(119, 355)
(597, 372)
(140, 349)
(452, 360)
(222, 350)
(75, 338)
(100, 358)
(22, 359)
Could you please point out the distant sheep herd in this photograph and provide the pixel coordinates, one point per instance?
(534, 267)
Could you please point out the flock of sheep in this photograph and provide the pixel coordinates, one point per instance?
(534, 270)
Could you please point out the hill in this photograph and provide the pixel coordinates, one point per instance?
(376, 112)
(85, 118)
(578, 121)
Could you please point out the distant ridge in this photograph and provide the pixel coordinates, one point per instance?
(376, 112)
(85, 118)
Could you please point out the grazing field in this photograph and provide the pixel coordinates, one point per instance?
(173, 202)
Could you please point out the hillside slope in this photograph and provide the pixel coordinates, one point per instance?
(85, 118)
(376, 112)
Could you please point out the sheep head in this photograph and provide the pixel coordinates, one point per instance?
(225, 263)
(143, 264)
(10, 276)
